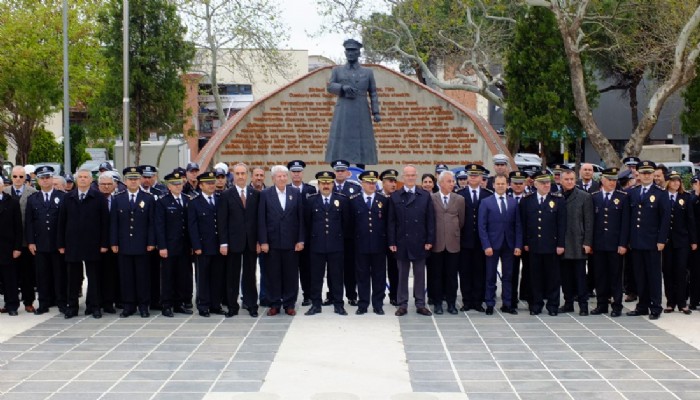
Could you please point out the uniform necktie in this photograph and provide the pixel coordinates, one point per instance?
(607, 199)
(369, 202)
(585, 187)
(82, 196)
(18, 192)
(673, 198)
(474, 196)
(179, 203)
(46, 198)
(503, 205)
(644, 191)
(211, 201)
(444, 200)
(133, 199)
(541, 199)
(243, 197)
(517, 199)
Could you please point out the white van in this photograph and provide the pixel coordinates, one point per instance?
(682, 167)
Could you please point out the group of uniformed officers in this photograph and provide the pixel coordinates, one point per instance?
(136, 241)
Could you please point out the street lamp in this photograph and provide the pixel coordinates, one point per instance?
(125, 61)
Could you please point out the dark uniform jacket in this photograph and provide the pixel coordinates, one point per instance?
(683, 230)
(306, 190)
(650, 217)
(41, 220)
(349, 188)
(11, 232)
(327, 227)
(203, 224)
(470, 230)
(579, 224)
(171, 225)
(593, 186)
(281, 229)
(411, 223)
(544, 225)
(611, 221)
(369, 225)
(83, 226)
(238, 225)
(132, 228)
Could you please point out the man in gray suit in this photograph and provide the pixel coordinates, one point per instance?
(578, 241)
(449, 220)
(26, 274)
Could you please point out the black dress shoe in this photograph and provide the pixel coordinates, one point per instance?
(598, 311)
(167, 312)
(340, 310)
(110, 310)
(438, 310)
(615, 314)
(204, 313)
(97, 314)
(451, 309)
(509, 310)
(566, 308)
(464, 308)
(686, 311)
(217, 311)
(40, 311)
(489, 310)
(182, 310)
(400, 312)
(306, 303)
(393, 302)
(654, 316)
(68, 314)
(12, 313)
(125, 314)
(145, 314)
(479, 308)
(313, 310)
(424, 311)
(253, 312)
(636, 313)
(352, 302)
(230, 313)
(583, 313)
(360, 311)
(88, 312)
(188, 306)
(553, 313)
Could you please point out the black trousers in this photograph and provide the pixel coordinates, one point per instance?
(110, 286)
(135, 281)
(472, 276)
(349, 270)
(675, 274)
(74, 280)
(442, 276)
(392, 272)
(26, 275)
(608, 280)
(545, 281)
(8, 275)
(573, 282)
(515, 282)
(371, 269)
(282, 278)
(525, 288)
(590, 273)
(240, 271)
(305, 272)
(175, 280)
(628, 280)
(211, 282)
(647, 271)
(333, 263)
(51, 279)
(694, 282)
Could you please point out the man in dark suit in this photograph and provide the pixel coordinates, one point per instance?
(132, 236)
(83, 236)
(472, 266)
(348, 188)
(10, 245)
(411, 235)
(501, 239)
(296, 170)
(388, 178)
(204, 236)
(449, 219)
(110, 269)
(173, 243)
(649, 230)
(281, 237)
(238, 240)
(586, 182)
(41, 223)
(326, 218)
(520, 287)
(610, 239)
(368, 211)
(148, 185)
(543, 216)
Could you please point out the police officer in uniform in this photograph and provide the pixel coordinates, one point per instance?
(388, 178)
(148, 185)
(543, 215)
(296, 170)
(173, 243)
(192, 184)
(41, 224)
(210, 264)
(649, 229)
(369, 216)
(342, 185)
(521, 287)
(327, 218)
(133, 237)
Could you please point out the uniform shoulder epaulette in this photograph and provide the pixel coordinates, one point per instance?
(557, 194)
(528, 194)
(380, 194)
(354, 183)
(166, 195)
(621, 191)
(189, 196)
(149, 193)
(194, 195)
(341, 194)
(487, 190)
(596, 192)
(659, 187)
(120, 192)
(310, 195)
(354, 195)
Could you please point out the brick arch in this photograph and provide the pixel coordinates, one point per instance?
(419, 125)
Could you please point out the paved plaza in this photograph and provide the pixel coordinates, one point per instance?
(327, 356)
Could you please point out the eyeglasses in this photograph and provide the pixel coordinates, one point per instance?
(18, 176)
(106, 184)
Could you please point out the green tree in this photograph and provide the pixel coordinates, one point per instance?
(45, 148)
(158, 55)
(690, 117)
(31, 64)
(540, 100)
(78, 143)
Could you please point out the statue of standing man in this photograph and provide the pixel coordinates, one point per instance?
(352, 135)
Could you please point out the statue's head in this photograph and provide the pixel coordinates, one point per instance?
(352, 49)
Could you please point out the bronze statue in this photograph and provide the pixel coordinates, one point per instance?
(352, 135)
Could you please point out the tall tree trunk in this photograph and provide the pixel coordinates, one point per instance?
(137, 132)
(634, 103)
(214, 51)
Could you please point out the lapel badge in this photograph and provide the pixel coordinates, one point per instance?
(681, 202)
(141, 204)
(337, 203)
(551, 204)
(351, 190)
(290, 197)
(652, 198)
(379, 205)
(56, 200)
(616, 201)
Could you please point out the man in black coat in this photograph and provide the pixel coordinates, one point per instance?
(348, 188)
(10, 245)
(41, 225)
(173, 243)
(281, 237)
(411, 235)
(148, 185)
(132, 236)
(237, 216)
(210, 264)
(296, 170)
(83, 236)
